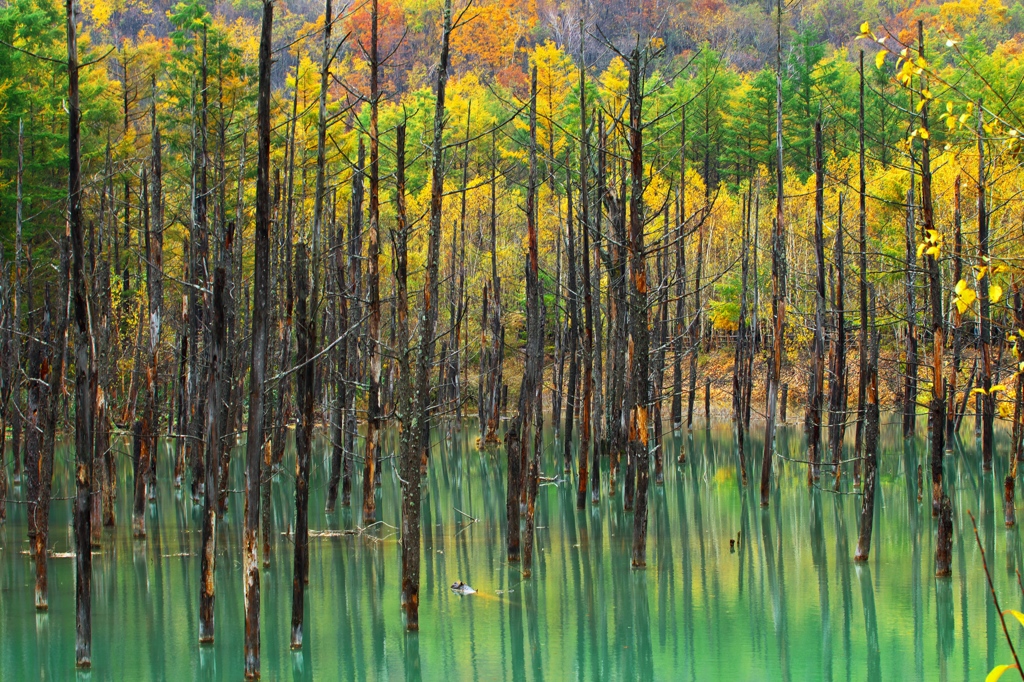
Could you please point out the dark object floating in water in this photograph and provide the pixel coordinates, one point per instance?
(462, 588)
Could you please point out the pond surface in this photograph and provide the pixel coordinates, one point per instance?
(788, 604)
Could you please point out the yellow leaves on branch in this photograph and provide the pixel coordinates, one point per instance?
(963, 297)
(931, 246)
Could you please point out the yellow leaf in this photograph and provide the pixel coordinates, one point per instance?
(932, 251)
(980, 271)
(960, 286)
(995, 293)
(865, 28)
(880, 58)
(920, 104)
(923, 132)
(969, 296)
(1002, 387)
(976, 391)
(920, 249)
(997, 672)
(950, 123)
(949, 107)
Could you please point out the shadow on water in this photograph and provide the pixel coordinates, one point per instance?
(731, 589)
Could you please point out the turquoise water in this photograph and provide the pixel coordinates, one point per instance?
(788, 604)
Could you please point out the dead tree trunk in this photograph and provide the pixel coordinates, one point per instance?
(910, 282)
(306, 365)
(258, 367)
(371, 454)
(817, 369)
(778, 279)
(588, 299)
(215, 395)
(984, 300)
(85, 387)
(937, 404)
(867, 513)
(571, 333)
(419, 425)
(862, 280)
(837, 380)
(639, 334)
(38, 467)
(519, 428)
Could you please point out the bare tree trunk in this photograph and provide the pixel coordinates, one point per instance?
(867, 513)
(419, 423)
(862, 280)
(571, 333)
(38, 467)
(518, 431)
(910, 373)
(85, 386)
(837, 380)
(639, 334)
(257, 376)
(817, 369)
(937, 404)
(214, 397)
(371, 458)
(778, 279)
(306, 342)
(739, 379)
(588, 297)
(985, 339)
(952, 420)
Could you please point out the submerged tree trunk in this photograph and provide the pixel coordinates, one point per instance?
(518, 432)
(258, 366)
(837, 378)
(588, 300)
(419, 423)
(639, 334)
(817, 369)
(306, 342)
(985, 305)
(85, 386)
(214, 432)
(778, 280)
(371, 453)
(867, 513)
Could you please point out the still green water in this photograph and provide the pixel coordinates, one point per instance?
(788, 604)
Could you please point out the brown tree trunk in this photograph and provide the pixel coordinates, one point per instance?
(588, 298)
(419, 423)
(817, 369)
(639, 334)
(371, 454)
(85, 386)
(867, 513)
(985, 338)
(862, 280)
(778, 280)
(215, 396)
(837, 380)
(257, 375)
(306, 342)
